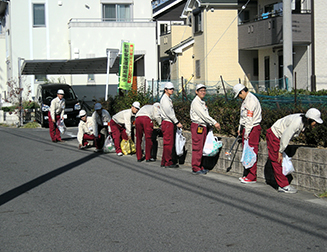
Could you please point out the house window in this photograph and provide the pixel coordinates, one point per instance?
(197, 69)
(117, 12)
(90, 78)
(38, 15)
(40, 78)
(163, 29)
(197, 22)
(255, 67)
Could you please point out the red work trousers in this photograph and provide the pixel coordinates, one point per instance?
(168, 143)
(198, 141)
(54, 131)
(254, 138)
(273, 144)
(143, 124)
(93, 138)
(118, 132)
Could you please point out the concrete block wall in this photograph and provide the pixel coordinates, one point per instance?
(310, 164)
(7, 118)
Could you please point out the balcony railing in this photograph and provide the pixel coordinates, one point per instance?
(272, 14)
(100, 20)
(269, 31)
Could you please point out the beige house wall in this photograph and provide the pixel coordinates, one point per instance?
(221, 46)
(183, 66)
(199, 52)
(180, 33)
(185, 63)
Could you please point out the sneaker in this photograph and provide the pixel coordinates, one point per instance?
(140, 160)
(200, 172)
(151, 160)
(172, 166)
(287, 189)
(240, 178)
(245, 180)
(98, 150)
(119, 154)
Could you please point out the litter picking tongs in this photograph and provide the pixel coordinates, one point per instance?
(229, 153)
(230, 166)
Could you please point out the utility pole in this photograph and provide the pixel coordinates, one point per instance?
(287, 42)
(313, 54)
(21, 113)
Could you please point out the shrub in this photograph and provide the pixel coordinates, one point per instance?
(228, 113)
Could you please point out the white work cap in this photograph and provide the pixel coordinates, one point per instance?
(136, 104)
(314, 114)
(169, 85)
(82, 113)
(199, 86)
(60, 91)
(97, 106)
(237, 89)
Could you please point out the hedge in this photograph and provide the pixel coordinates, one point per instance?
(227, 113)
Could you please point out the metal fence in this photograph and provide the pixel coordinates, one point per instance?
(224, 89)
(215, 87)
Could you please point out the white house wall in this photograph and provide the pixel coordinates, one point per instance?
(3, 66)
(110, 36)
(56, 40)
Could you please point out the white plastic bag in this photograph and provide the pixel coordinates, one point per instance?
(180, 142)
(287, 165)
(109, 145)
(248, 155)
(211, 145)
(61, 126)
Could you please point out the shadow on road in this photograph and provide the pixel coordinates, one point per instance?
(10, 195)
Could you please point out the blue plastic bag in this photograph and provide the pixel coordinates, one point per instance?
(248, 155)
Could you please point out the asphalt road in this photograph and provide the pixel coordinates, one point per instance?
(54, 197)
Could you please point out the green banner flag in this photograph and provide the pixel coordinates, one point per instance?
(126, 66)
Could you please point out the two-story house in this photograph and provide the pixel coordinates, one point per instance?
(244, 40)
(66, 30)
(205, 47)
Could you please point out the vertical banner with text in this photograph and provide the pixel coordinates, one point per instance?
(126, 66)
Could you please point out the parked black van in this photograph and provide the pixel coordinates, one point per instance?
(44, 95)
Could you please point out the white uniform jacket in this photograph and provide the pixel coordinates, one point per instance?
(199, 113)
(150, 111)
(100, 120)
(124, 118)
(167, 110)
(57, 107)
(250, 113)
(85, 128)
(286, 128)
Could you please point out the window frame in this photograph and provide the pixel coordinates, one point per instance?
(117, 17)
(197, 22)
(43, 24)
(197, 69)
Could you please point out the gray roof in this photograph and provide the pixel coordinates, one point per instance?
(73, 66)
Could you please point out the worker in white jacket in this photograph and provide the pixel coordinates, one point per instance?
(101, 119)
(200, 120)
(249, 127)
(144, 124)
(169, 121)
(121, 125)
(279, 136)
(86, 132)
(56, 112)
